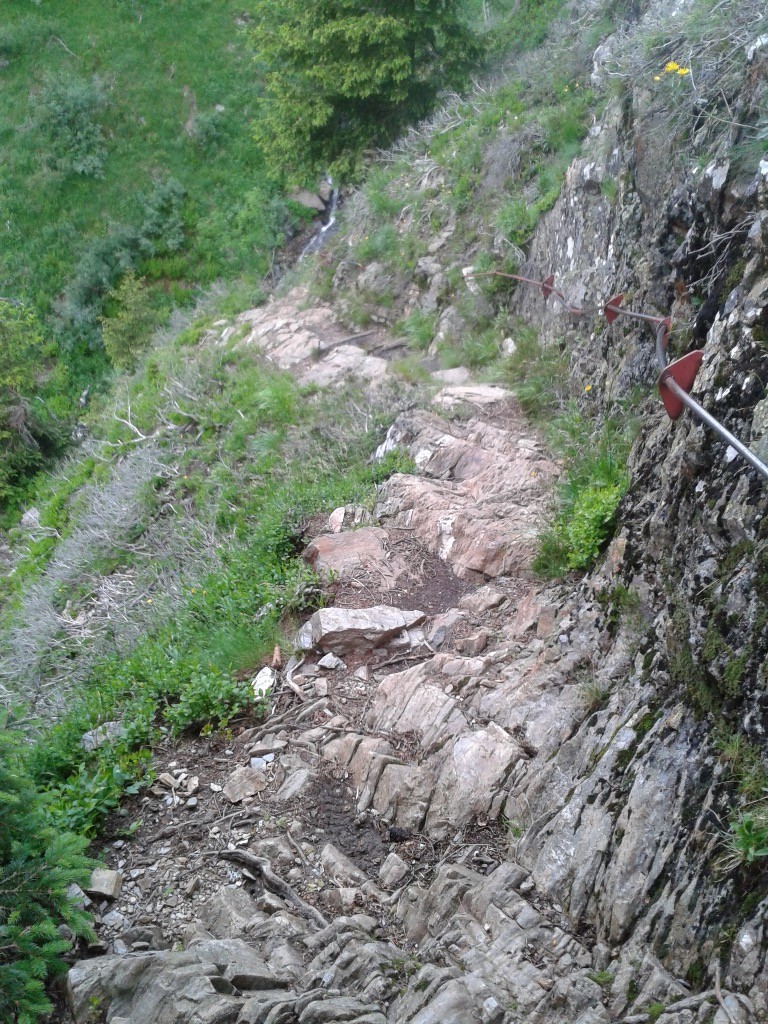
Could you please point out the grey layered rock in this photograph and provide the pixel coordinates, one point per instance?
(95, 738)
(244, 782)
(346, 629)
(330, 661)
(339, 867)
(393, 871)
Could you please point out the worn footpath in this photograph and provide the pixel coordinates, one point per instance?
(424, 829)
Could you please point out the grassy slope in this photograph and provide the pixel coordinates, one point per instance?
(144, 66)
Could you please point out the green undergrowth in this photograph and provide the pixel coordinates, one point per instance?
(244, 457)
(593, 446)
(124, 152)
(38, 862)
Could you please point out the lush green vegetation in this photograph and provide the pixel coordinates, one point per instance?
(341, 76)
(123, 150)
(37, 864)
(593, 447)
(28, 431)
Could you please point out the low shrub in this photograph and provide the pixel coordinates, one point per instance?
(594, 451)
(126, 332)
(65, 113)
(746, 840)
(419, 328)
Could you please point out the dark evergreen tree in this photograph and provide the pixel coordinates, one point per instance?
(343, 74)
(37, 865)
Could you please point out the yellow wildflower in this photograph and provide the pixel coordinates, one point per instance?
(671, 66)
(588, 387)
(683, 71)
(657, 78)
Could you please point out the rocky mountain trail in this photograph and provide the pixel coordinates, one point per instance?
(332, 790)
(477, 797)
(380, 847)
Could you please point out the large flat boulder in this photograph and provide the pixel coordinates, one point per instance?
(361, 553)
(348, 629)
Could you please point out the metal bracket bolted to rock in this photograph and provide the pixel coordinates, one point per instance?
(348, 629)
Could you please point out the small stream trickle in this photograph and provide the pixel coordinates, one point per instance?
(318, 240)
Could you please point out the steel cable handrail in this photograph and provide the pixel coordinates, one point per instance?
(675, 379)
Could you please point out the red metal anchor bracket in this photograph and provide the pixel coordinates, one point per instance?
(611, 310)
(547, 286)
(683, 372)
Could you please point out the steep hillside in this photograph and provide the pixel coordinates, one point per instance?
(485, 631)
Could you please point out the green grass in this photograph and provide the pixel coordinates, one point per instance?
(592, 446)
(252, 455)
(152, 80)
(594, 450)
(419, 328)
(126, 143)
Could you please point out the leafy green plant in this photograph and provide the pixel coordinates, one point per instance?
(516, 220)
(602, 978)
(746, 840)
(589, 522)
(594, 453)
(127, 330)
(208, 696)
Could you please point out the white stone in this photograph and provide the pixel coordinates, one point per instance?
(244, 782)
(330, 661)
(347, 629)
(263, 683)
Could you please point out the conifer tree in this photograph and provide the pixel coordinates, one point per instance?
(343, 74)
(37, 865)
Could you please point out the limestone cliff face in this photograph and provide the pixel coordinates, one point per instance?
(628, 809)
